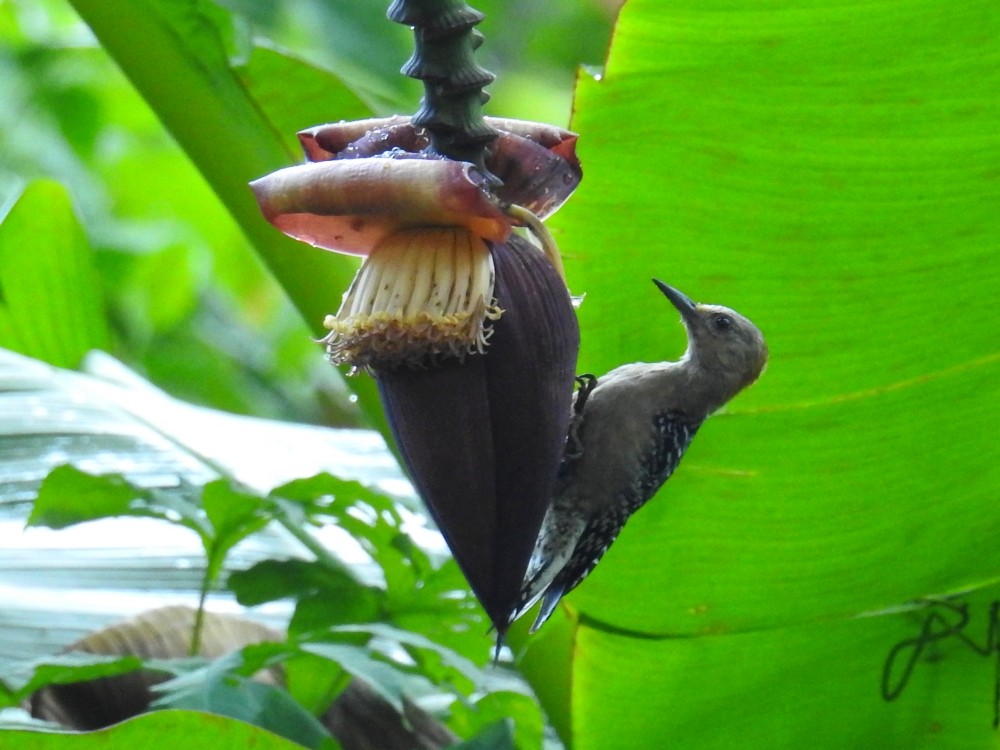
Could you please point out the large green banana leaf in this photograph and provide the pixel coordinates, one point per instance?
(831, 171)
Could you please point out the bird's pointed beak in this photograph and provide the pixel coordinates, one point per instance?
(682, 302)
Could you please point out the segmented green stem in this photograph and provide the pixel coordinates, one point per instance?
(444, 60)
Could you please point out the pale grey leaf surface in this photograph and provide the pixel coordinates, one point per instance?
(58, 585)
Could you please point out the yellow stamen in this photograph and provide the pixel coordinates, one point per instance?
(421, 294)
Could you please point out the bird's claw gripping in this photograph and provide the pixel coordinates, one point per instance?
(574, 447)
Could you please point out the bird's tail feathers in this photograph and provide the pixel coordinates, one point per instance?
(553, 594)
(553, 549)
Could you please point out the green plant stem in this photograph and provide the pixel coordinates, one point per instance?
(199, 615)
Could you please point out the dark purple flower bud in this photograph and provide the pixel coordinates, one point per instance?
(483, 437)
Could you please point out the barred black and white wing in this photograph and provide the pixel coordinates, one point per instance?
(570, 545)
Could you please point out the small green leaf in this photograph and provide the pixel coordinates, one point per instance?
(177, 730)
(386, 679)
(233, 515)
(497, 736)
(64, 669)
(229, 510)
(51, 306)
(372, 519)
(325, 493)
(325, 595)
(444, 609)
(528, 725)
(452, 668)
(316, 613)
(314, 682)
(69, 496)
(265, 706)
(271, 580)
(226, 687)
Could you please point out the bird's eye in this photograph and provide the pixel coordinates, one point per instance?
(722, 322)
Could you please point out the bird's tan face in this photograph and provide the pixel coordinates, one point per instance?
(723, 339)
(729, 340)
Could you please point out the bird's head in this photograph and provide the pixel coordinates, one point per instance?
(720, 339)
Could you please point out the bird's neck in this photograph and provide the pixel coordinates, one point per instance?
(705, 388)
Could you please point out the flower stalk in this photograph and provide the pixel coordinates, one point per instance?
(445, 41)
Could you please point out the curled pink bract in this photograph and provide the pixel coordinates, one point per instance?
(369, 178)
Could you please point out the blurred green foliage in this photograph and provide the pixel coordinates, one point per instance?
(188, 302)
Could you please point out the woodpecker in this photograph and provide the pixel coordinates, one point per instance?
(628, 433)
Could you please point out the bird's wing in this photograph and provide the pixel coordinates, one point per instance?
(594, 536)
(674, 433)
